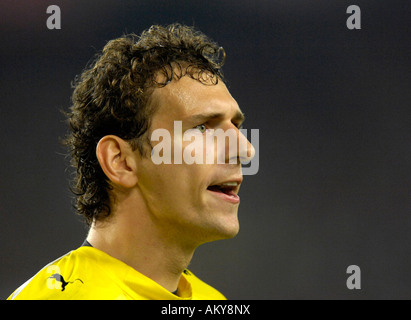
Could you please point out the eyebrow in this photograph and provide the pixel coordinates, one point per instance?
(239, 117)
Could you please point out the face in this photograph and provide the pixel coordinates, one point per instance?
(194, 202)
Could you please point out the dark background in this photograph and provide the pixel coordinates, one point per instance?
(332, 106)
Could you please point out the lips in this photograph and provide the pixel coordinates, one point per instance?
(226, 190)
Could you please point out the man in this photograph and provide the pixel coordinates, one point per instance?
(147, 218)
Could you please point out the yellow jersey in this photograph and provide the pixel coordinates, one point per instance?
(90, 274)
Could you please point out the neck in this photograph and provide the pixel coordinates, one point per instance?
(133, 237)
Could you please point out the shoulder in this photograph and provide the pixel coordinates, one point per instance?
(72, 276)
(43, 283)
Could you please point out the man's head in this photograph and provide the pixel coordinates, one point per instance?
(137, 85)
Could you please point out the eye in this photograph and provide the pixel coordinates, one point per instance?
(201, 127)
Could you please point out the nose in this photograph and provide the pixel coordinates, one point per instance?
(238, 148)
(246, 151)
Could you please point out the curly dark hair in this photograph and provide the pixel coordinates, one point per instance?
(112, 97)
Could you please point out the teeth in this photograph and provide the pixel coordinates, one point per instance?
(230, 184)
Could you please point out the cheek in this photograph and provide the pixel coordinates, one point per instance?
(173, 186)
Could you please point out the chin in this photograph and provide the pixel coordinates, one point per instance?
(225, 229)
(231, 230)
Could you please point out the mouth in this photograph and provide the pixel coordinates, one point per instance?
(226, 191)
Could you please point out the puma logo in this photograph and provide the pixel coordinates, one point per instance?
(59, 277)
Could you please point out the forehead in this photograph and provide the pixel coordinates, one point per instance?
(186, 96)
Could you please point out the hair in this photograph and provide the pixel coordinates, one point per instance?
(111, 96)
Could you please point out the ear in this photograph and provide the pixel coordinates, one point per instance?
(117, 160)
